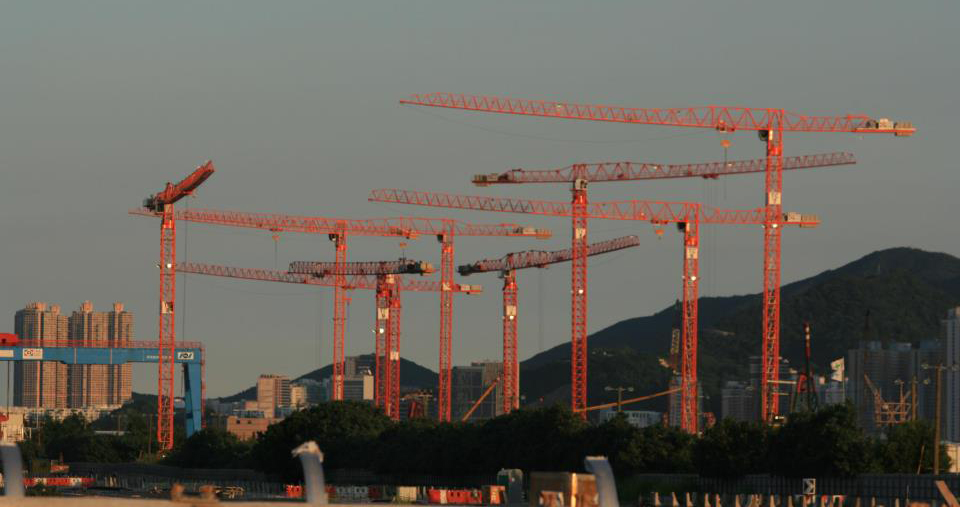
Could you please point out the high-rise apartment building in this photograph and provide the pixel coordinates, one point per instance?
(94, 385)
(357, 365)
(675, 398)
(39, 383)
(273, 391)
(49, 384)
(467, 385)
(738, 401)
(119, 334)
(358, 386)
(951, 379)
(892, 369)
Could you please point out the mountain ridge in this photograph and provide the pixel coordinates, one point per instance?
(906, 289)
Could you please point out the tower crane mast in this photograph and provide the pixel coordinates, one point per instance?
(161, 205)
(687, 216)
(507, 266)
(769, 123)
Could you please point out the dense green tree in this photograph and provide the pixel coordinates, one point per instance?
(344, 431)
(732, 449)
(74, 440)
(405, 446)
(619, 441)
(826, 443)
(548, 438)
(211, 448)
(907, 447)
(664, 449)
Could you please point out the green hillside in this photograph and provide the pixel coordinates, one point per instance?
(411, 375)
(906, 290)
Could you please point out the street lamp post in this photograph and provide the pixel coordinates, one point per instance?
(619, 390)
(936, 434)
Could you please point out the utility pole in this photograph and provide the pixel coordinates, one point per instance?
(619, 390)
(936, 434)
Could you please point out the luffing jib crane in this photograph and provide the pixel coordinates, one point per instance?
(769, 123)
(507, 266)
(445, 230)
(161, 205)
(687, 216)
(388, 288)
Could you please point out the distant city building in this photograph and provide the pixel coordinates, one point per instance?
(40, 383)
(12, 428)
(951, 379)
(358, 386)
(273, 391)
(468, 383)
(892, 369)
(54, 385)
(832, 392)
(94, 385)
(738, 401)
(33, 417)
(636, 418)
(316, 392)
(245, 428)
(357, 365)
(674, 399)
(298, 396)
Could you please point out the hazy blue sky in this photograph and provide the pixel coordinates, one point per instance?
(103, 102)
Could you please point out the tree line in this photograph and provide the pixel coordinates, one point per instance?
(354, 435)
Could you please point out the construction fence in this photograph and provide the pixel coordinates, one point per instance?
(880, 486)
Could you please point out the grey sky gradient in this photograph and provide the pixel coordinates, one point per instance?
(103, 102)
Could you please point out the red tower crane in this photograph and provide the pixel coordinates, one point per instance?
(161, 205)
(389, 284)
(769, 123)
(388, 311)
(579, 175)
(337, 230)
(690, 215)
(445, 230)
(507, 266)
